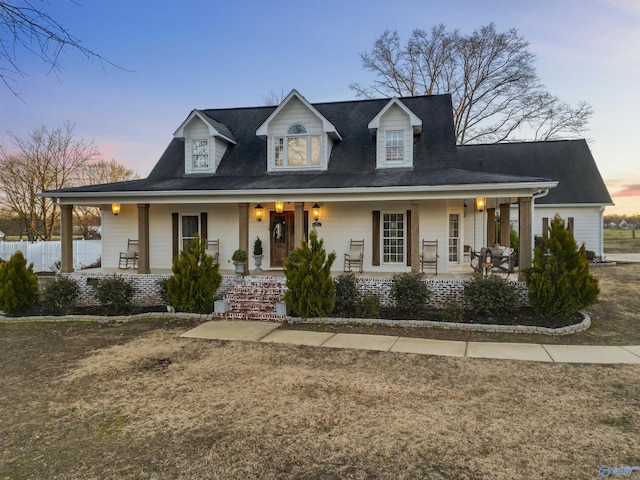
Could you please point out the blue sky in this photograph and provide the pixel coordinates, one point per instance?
(188, 54)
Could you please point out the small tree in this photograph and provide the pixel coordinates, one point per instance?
(62, 295)
(115, 294)
(18, 285)
(347, 294)
(410, 293)
(311, 291)
(195, 280)
(559, 281)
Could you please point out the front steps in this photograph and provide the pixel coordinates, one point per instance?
(255, 298)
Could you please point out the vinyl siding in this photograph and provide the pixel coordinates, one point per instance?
(394, 119)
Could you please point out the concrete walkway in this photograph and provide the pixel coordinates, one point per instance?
(623, 257)
(270, 333)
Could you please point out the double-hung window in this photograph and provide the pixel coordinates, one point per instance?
(297, 148)
(393, 237)
(190, 228)
(200, 154)
(394, 146)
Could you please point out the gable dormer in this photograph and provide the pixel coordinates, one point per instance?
(298, 136)
(394, 128)
(205, 142)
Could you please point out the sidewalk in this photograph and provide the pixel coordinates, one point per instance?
(270, 333)
(623, 257)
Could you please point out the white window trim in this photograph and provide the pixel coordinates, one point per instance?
(192, 156)
(402, 135)
(460, 237)
(404, 237)
(180, 234)
(407, 156)
(274, 140)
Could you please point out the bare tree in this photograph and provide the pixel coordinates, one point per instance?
(26, 26)
(494, 87)
(93, 173)
(274, 98)
(43, 160)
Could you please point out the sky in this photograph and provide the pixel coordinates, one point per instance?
(180, 55)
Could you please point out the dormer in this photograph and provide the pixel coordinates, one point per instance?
(394, 128)
(205, 142)
(298, 136)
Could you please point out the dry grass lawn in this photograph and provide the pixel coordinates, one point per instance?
(136, 401)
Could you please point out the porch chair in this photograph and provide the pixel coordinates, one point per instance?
(213, 249)
(129, 258)
(429, 255)
(355, 255)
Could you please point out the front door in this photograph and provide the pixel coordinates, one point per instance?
(282, 236)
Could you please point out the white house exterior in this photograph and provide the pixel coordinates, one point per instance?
(387, 171)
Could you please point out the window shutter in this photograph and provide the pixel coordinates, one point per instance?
(570, 224)
(408, 237)
(375, 257)
(203, 228)
(545, 227)
(174, 234)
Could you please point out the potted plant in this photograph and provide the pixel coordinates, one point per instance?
(239, 258)
(257, 253)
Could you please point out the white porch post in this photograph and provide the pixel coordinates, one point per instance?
(66, 238)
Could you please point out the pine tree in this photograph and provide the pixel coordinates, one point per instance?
(311, 290)
(559, 281)
(195, 280)
(18, 285)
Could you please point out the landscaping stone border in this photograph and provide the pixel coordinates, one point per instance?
(103, 318)
(467, 327)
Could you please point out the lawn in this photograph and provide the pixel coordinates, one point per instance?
(136, 401)
(621, 241)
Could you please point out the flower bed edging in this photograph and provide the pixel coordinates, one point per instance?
(468, 327)
(102, 318)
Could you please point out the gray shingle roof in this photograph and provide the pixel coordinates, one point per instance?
(352, 162)
(568, 161)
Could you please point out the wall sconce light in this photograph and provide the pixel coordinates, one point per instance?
(279, 207)
(115, 208)
(316, 211)
(481, 202)
(259, 212)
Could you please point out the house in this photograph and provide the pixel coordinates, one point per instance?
(386, 170)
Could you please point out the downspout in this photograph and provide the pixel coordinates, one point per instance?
(601, 236)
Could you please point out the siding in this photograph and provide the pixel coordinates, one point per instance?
(116, 230)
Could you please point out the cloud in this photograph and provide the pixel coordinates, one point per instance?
(628, 191)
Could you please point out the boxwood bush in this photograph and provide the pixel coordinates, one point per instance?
(493, 296)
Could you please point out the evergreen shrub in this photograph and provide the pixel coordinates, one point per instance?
(410, 293)
(195, 280)
(18, 285)
(311, 291)
(347, 294)
(492, 296)
(62, 295)
(115, 294)
(559, 281)
(369, 306)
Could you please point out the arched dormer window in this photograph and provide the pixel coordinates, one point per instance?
(297, 148)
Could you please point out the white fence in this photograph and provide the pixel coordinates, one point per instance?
(44, 255)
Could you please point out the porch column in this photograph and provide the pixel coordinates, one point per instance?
(505, 225)
(298, 224)
(66, 238)
(143, 238)
(243, 227)
(415, 236)
(491, 227)
(524, 232)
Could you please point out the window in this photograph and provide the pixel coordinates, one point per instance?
(200, 153)
(394, 145)
(393, 238)
(189, 224)
(454, 237)
(297, 149)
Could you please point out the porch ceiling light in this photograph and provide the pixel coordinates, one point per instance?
(279, 207)
(259, 212)
(481, 202)
(316, 211)
(115, 208)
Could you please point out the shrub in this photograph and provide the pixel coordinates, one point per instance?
(18, 285)
(514, 243)
(161, 288)
(257, 247)
(410, 293)
(195, 280)
(239, 256)
(591, 256)
(453, 312)
(62, 295)
(311, 291)
(347, 294)
(368, 306)
(560, 283)
(115, 294)
(492, 296)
